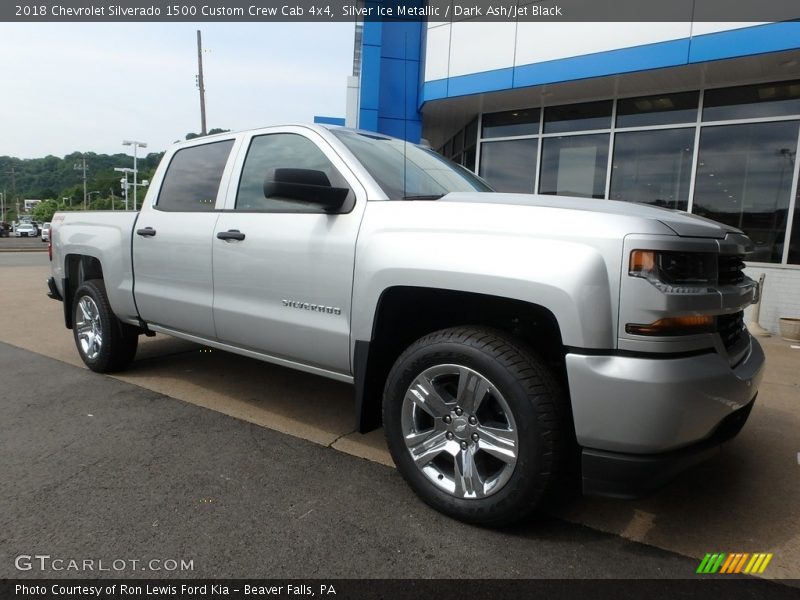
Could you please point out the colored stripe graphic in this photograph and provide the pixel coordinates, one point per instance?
(720, 562)
(703, 563)
(728, 563)
(711, 563)
(767, 558)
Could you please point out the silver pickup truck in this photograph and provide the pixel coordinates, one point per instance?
(504, 341)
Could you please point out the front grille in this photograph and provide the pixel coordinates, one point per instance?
(732, 331)
(731, 269)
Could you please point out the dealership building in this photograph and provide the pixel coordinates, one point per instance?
(694, 116)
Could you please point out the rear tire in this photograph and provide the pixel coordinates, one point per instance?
(476, 424)
(104, 342)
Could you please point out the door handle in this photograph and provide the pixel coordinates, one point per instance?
(231, 234)
(146, 232)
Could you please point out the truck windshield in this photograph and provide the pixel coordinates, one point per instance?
(410, 173)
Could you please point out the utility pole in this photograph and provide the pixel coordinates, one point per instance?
(200, 84)
(81, 166)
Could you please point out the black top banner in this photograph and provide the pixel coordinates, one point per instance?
(383, 10)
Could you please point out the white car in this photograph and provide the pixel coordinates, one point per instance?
(45, 232)
(25, 230)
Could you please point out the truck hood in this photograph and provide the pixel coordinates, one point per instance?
(683, 224)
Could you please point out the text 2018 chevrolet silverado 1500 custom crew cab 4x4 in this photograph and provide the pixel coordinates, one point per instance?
(495, 336)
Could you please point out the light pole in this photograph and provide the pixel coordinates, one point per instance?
(81, 166)
(124, 182)
(2, 206)
(136, 145)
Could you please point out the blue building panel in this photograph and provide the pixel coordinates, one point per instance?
(401, 40)
(488, 81)
(773, 37)
(323, 120)
(401, 128)
(390, 78)
(611, 62)
(398, 93)
(370, 74)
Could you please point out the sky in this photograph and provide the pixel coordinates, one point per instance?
(67, 87)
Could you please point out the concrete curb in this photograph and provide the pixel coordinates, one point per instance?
(24, 249)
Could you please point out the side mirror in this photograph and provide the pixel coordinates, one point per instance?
(305, 185)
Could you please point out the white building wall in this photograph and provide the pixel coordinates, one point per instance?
(468, 46)
(781, 295)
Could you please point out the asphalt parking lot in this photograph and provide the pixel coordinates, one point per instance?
(16, 244)
(255, 470)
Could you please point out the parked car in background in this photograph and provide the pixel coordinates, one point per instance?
(45, 232)
(25, 230)
(5, 228)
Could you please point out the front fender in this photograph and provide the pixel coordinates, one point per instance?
(568, 278)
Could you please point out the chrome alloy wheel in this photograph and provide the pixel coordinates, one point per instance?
(459, 431)
(89, 327)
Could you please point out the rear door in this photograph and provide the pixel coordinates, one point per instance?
(284, 289)
(173, 239)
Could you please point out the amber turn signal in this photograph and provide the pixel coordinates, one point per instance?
(642, 262)
(674, 326)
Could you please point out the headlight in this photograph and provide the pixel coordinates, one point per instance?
(671, 270)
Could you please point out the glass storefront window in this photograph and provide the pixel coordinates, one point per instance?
(509, 166)
(794, 242)
(578, 117)
(752, 101)
(469, 158)
(575, 165)
(458, 142)
(664, 109)
(744, 177)
(653, 167)
(471, 133)
(511, 123)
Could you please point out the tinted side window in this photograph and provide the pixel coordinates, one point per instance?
(192, 180)
(279, 151)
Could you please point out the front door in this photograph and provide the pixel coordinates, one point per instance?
(283, 275)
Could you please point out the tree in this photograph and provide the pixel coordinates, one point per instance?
(215, 131)
(44, 211)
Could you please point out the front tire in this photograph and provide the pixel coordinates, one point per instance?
(476, 424)
(104, 342)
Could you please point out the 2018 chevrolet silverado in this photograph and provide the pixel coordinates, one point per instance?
(498, 338)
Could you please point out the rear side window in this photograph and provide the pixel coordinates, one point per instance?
(192, 179)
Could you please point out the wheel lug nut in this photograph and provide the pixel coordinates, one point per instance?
(448, 419)
(475, 437)
(464, 445)
(449, 435)
(473, 420)
(459, 412)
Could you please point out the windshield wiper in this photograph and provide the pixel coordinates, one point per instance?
(423, 197)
